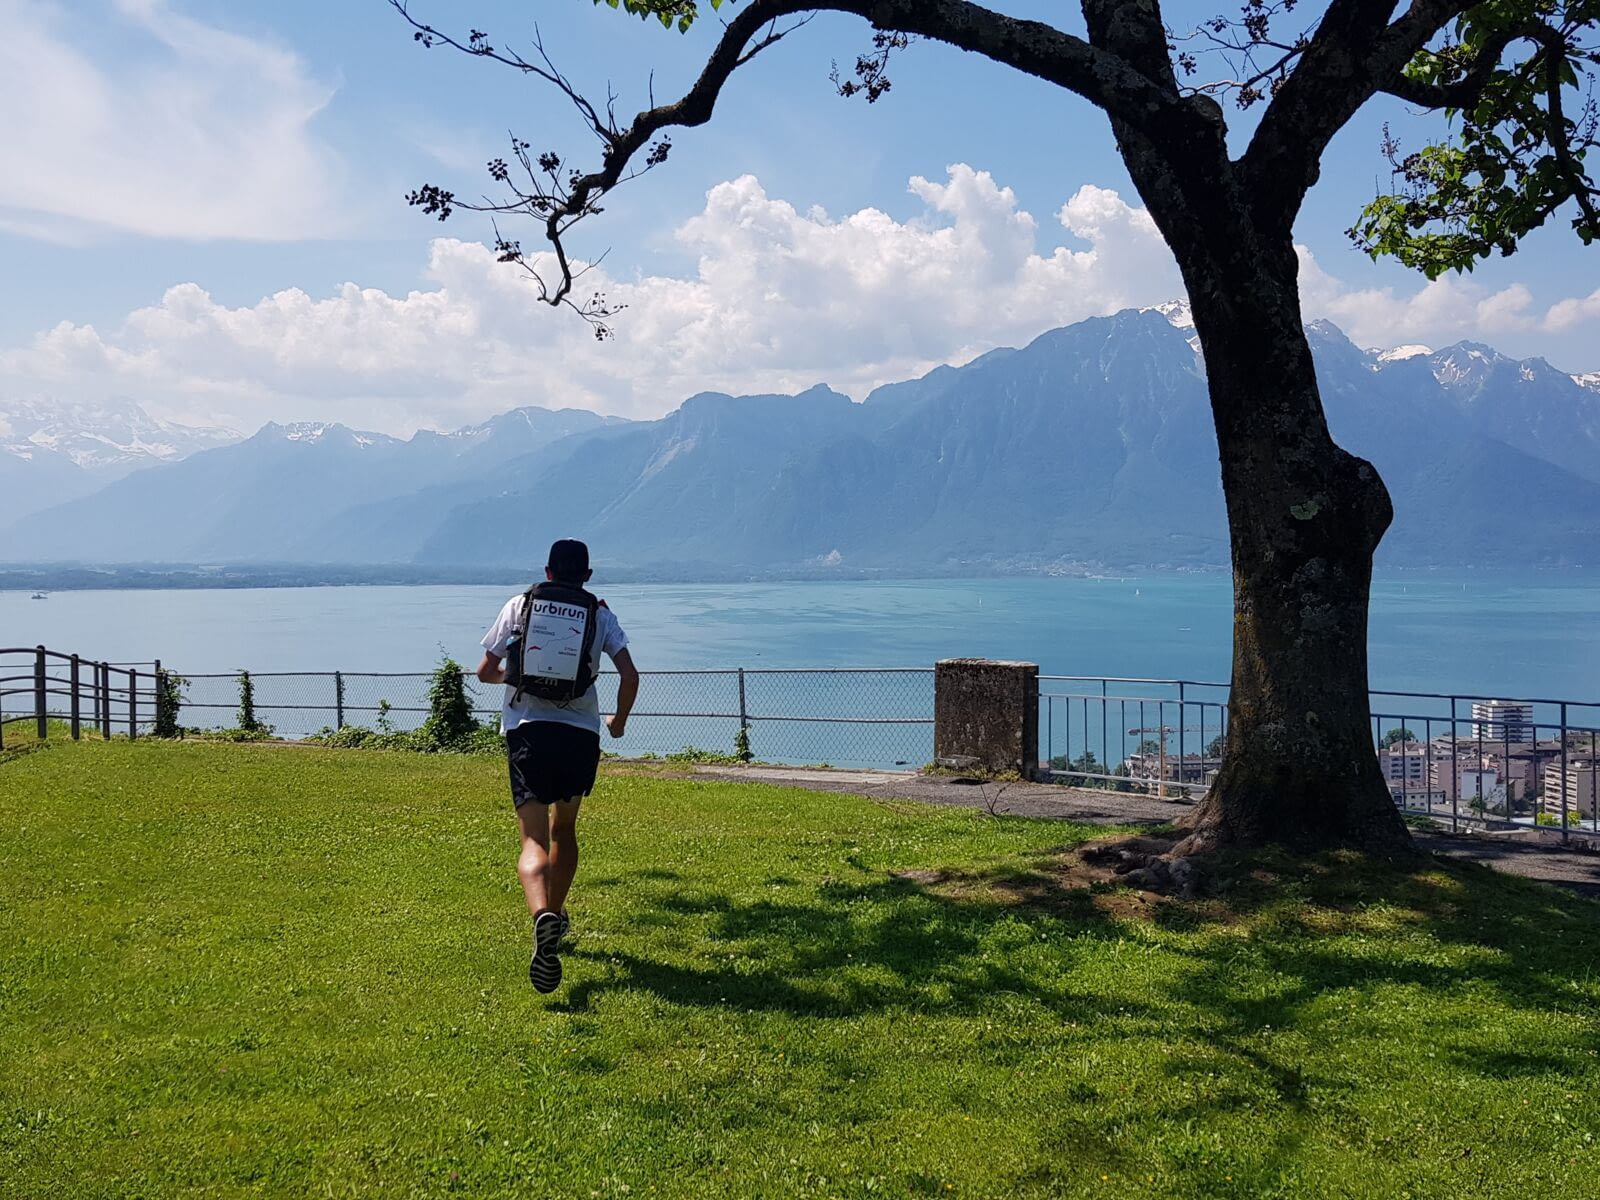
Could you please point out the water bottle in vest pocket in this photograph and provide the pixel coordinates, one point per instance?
(559, 623)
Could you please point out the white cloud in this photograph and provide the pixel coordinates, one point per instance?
(780, 300)
(1570, 314)
(1448, 309)
(132, 117)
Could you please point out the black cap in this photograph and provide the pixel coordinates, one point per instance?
(569, 559)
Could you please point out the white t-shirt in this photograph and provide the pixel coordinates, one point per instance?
(582, 713)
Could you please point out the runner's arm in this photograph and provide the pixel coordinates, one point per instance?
(490, 670)
(627, 691)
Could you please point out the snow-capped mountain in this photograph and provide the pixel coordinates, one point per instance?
(52, 451)
(325, 431)
(1175, 311)
(108, 437)
(1093, 443)
(1400, 353)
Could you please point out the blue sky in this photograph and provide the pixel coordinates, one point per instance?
(193, 187)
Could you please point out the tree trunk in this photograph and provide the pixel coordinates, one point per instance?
(1304, 517)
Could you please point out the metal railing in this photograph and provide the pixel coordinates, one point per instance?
(867, 716)
(1474, 761)
(40, 686)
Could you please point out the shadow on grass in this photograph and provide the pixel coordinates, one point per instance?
(847, 950)
(1235, 973)
(927, 941)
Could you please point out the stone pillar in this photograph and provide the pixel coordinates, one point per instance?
(986, 715)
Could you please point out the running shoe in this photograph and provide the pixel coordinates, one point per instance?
(566, 925)
(544, 970)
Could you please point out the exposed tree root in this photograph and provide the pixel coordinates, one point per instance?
(1150, 864)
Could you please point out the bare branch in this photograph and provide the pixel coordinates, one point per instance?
(1105, 78)
(1245, 43)
(1354, 52)
(479, 46)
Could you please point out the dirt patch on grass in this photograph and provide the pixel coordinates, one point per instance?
(1101, 879)
(1334, 892)
(1081, 879)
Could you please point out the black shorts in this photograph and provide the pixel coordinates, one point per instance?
(551, 761)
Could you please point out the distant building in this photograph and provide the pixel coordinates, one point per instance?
(1503, 720)
(1577, 784)
(1417, 797)
(1466, 781)
(1404, 763)
(1187, 768)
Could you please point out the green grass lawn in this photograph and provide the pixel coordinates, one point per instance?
(237, 970)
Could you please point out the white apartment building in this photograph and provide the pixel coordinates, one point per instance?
(1465, 780)
(1579, 787)
(1404, 763)
(1503, 720)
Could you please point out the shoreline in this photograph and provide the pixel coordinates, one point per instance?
(78, 577)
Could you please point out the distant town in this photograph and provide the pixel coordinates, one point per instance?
(1500, 771)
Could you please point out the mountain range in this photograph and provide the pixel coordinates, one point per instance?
(1091, 446)
(54, 451)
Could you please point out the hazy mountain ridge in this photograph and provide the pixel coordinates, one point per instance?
(102, 436)
(54, 451)
(1091, 445)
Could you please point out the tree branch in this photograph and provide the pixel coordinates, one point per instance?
(1354, 52)
(1464, 92)
(1104, 78)
(1577, 182)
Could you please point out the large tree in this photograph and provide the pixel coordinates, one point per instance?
(1508, 78)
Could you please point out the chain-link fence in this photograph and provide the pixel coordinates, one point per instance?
(864, 717)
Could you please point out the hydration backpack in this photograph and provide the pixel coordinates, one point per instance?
(551, 654)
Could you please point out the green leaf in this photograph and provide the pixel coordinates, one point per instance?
(1507, 166)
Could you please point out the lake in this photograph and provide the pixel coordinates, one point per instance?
(1501, 633)
(1524, 633)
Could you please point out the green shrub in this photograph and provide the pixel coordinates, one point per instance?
(693, 755)
(450, 724)
(249, 724)
(1574, 818)
(237, 734)
(169, 699)
(484, 739)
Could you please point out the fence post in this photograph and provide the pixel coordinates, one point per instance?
(76, 715)
(38, 694)
(133, 703)
(1183, 721)
(986, 714)
(102, 679)
(338, 699)
(744, 716)
(1050, 731)
(1564, 833)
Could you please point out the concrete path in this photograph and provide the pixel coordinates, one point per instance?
(1570, 868)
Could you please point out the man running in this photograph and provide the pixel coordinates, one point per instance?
(551, 720)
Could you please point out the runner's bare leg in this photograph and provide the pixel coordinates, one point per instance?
(533, 863)
(563, 853)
